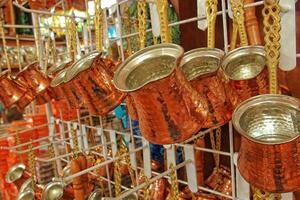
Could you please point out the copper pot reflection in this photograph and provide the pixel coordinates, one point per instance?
(245, 67)
(12, 93)
(269, 154)
(92, 76)
(169, 109)
(201, 67)
(36, 82)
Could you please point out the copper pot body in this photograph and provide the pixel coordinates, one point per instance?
(199, 161)
(131, 109)
(36, 82)
(269, 154)
(218, 178)
(92, 76)
(201, 67)
(159, 189)
(12, 93)
(248, 76)
(169, 109)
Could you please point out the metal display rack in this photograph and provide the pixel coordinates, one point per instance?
(107, 137)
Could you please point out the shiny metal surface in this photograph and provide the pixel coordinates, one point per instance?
(53, 191)
(131, 197)
(59, 78)
(96, 195)
(58, 86)
(52, 71)
(26, 195)
(27, 185)
(244, 63)
(147, 65)
(15, 172)
(67, 172)
(268, 119)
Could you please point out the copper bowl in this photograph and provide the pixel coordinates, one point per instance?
(270, 147)
(169, 109)
(36, 82)
(12, 93)
(201, 67)
(248, 76)
(92, 76)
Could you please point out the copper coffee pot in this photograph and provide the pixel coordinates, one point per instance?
(169, 109)
(13, 93)
(201, 67)
(269, 154)
(92, 76)
(248, 76)
(36, 82)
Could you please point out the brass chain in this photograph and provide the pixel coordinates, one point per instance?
(127, 25)
(142, 22)
(53, 51)
(211, 14)
(124, 150)
(237, 7)
(52, 155)
(146, 190)
(31, 163)
(162, 7)
(4, 45)
(261, 195)
(174, 193)
(98, 25)
(71, 27)
(271, 21)
(117, 177)
(216, 144)
(75, 142)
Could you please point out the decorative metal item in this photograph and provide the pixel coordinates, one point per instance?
(26, 195)
(201, 67)
(92, 76)
(27, 185)
(169, 109)
(55, 69)
(53, 191)
(16, 174)
(96, 195)
(36, 82)
(270, 129)
(245, 68)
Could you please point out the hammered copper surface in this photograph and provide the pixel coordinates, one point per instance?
(199, 161)
(201, 67)
(269, 155)
(131, 108)
(13, 93)
(94, 83)
(159, 189)
(36, 82)
(169, 109)
(248, 76)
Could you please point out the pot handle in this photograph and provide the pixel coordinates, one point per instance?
(252, 24)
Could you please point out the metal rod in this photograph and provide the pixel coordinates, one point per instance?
(231, 160)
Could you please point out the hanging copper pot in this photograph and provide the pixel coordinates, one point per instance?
(58, 86)
(36, 82)
(201, 67)
(12, 93)
(55, 69)
(92, 76)
(169, 109)
(269, 157)
(131, 109)
(16, 175)
(248, 76)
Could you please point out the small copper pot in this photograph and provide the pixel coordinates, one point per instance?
(269, 157)
(169, 109)
(36, 82)
(12, 93)
(201, 67)
(92, 76)
(248, 76)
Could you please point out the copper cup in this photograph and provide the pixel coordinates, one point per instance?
(12, 93)
(248, 76)
(92, 76)
(269, 157)
(36, 82)
(169, 109)
(201, 67)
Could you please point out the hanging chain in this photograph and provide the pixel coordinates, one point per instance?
(216, 144)
(146, 190)
(124, 150)
(142, 22)
(31, 163)
(98, 25)
(237, 7)
(71, 27)
(261, 195)
(174, 193)
(211, 14)
(162, 7)
(271, 21)
(53, 51)
(47, 47)
(52, 155)
(75, 143)
(4, 45)
(127, 24)
(117, 177)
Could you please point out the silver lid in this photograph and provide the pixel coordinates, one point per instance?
(268, 119)
(201, 61)
(53, 191)
(82, 64)
(147, 65)
(58, 67)
(15, 173)
(244, 63)
(59, 78)
(26, 195)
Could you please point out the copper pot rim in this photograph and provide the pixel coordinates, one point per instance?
(8, 178)
(58, 67)
(260, 99)
(201, 53)
(80, 65)
(242, 51)
(129, 64)
(33, 64)
(59, 78)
